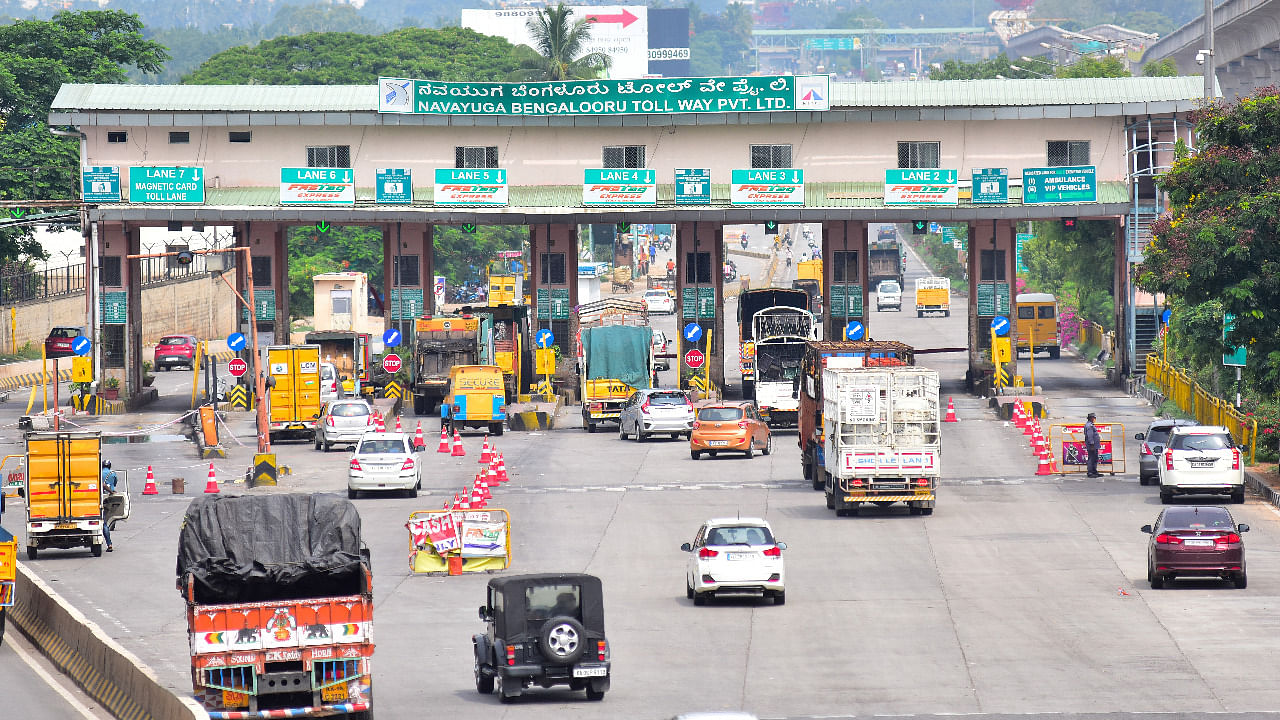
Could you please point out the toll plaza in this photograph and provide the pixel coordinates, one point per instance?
(406, 157)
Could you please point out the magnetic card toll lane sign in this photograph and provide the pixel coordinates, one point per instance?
(391, 363)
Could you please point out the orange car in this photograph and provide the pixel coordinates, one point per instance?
(729, 427)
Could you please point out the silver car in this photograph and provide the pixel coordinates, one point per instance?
(384, 461)
(656, 411)
(343, 422)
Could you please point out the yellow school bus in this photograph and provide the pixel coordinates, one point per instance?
(1037, 323)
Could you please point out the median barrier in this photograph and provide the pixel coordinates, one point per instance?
(110, 674)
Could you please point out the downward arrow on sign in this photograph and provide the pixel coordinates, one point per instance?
(625, 17)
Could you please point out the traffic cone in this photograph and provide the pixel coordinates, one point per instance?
(951, 411)
(419, 442)
(465, 504)
(443, 447)
(458, 450)
(502, 469)
(398, 428)
(477, 499)
(212, 485)
(1019, 420)
(150, 487)
(483, 484)
(486, 454)
(1045, 466)
(1037, 444)
(382, 426)
(1027, 429)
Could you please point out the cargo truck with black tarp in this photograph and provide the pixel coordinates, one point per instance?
(615, 357)
(279, 596)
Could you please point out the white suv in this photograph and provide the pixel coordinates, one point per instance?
(1201, 459)
(735, 555)
(889, 294)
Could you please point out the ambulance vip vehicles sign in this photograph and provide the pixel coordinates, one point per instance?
(616, 186)
(472, 186)
(317, 186)
(918, 186)
(766, 187)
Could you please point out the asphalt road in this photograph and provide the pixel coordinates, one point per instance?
(34, 689)
(1020, 595)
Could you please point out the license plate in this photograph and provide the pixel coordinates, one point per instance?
(65, 526)
(717, 443)
(334, 693)
(1198, 543)
(233, 699)
(1203, 464)
(740, 556)
(590, 671)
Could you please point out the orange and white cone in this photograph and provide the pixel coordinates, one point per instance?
(443, 447)
(1037, 444)
(458, 450)
(482, 482)
(502, 468)
(382, 425)
(477, 499)
(486, 454)
(398, 428)
(1046, 465)
(465, 504)
(419, 442)
(150, 487)
(1018, 420)
(211, 486)
(1029, 427)
(951, 411)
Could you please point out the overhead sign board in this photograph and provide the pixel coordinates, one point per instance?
(168, 185)
(763, 93)
(393, 186)
(921, 186)
(990, 186)
(693, 186)
(619, 31)
(317, 186)
(100, 183)
(1070, 184)
(618, 186)
(767, 187)
(470, 186)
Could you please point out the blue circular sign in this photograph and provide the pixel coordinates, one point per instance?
(1000, 324)
(81, 345)
(236, 341)
(693, 332)
(854, 330)
(1164, 316)
(391, 338)
(544, 339)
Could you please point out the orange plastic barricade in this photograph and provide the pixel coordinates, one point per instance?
(1067, 441)
(451, 542)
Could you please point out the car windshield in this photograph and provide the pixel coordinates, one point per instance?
(1197, 518)
(173, 340)
(1200, 442)
(668, 398)
(548, 601)
(1158, 435)
(327, 372)
(888, 287)
(381, 447)
(660, 294)
(740, 535)
(65, 332)
(349, 410)
(714, 414)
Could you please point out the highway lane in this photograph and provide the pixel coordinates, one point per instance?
(34, 689)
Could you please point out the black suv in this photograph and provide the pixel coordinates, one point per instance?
(546, 630)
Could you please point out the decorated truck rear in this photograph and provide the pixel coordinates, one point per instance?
(279, 598)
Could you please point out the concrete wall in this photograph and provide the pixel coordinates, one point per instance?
(200, 306)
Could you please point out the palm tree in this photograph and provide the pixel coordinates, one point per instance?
(559, 42)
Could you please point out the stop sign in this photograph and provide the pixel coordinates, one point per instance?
(391, 363)
(237, 367)
(694, 358)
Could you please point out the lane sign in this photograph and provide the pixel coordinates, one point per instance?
(1164, 316)
(391, 363)
(237, 367)
(391, 338)
(1000, 324)
(693, 332)
(236, 341)
(694, 358)
(544, 339)
(81, 345)
(854, 330)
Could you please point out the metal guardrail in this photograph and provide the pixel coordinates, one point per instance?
(70, 279)
(1197, 402)
(1093, 334)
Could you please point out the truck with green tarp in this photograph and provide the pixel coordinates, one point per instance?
(615, 357)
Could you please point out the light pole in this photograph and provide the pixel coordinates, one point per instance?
(1205, 56)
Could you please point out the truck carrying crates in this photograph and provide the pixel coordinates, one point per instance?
(440, 343)
(279, 597)
(293, 395)
(933, 294)
(882, 438)
(750, 304)
(66, 503)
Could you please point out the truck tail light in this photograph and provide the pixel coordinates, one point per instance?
(355, 464)
(922, 481)
(511, 654)
(707, 553)
(602, 650)
(773, 552)
(597, 407)
(1167, 539)
(1235, 458)
(1168, 460)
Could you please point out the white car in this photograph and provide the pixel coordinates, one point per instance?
(661, 345)
(735, 555)
(1201, 459)
(330, 387)
(343, 422)
(655, 411)
(384, 461)
(659, 301)
(889, 294)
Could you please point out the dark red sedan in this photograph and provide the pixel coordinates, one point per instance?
(1195, 541)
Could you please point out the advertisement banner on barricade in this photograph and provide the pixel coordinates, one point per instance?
(1067, 441)
(451, 542)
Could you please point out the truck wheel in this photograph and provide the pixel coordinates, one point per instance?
(96, 550)
(419, 405)
(484, 683)
(31, 552)
(831, 499)
(748, 389)
(495, 429)
(946, 313)
(1055, 353)
(919, 313)
(926, 511)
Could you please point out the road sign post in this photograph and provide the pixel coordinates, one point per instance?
(391, 338)
(236, 342)
(391, 363)
(694, 358)
(854, 330)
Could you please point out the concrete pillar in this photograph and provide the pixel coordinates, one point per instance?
(265, 240)
(133, 325)
(280, 283)
(699, 255)
(1120, 291)
(844, 285)
(992, 277)
(553, 279)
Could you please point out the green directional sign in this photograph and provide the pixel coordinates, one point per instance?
(993, 299)
(469, 228)
(990, 186)
(1070, 184)
(1239, 355)
(317, 186)
(553, 303)
(1021, 239)
(846, 300)
(167, 185)
(470, 186)
(699, 302)
(760, 186)
(619, 186)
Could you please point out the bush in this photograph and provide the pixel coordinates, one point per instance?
(1267, 414)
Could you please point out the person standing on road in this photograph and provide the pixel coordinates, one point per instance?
(1092, 442)
(109, 480)
(789, 257)
(653, 253)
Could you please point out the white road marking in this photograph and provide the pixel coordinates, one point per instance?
(84, 710)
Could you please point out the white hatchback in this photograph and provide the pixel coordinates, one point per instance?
(384, 461)
(735, 555)
(1201, 459)
(659, 301)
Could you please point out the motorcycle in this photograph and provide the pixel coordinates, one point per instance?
(730, 271)
(664, 242)
(743, 241)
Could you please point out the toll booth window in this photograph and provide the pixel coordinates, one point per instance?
(1026, 312)
(844, 266)
(110, 271)
(406, 271)
(329, 156)
(1046, 312)
(770, 156)
(113, 346)
(479, 156)
(179, 137)
(117, 136)
(991, 265)
(240, 136)
(623, 156)
(262, 271)
(697, 268)
(914, 154)
(553, 271)
(544, 602)
(1068, 152)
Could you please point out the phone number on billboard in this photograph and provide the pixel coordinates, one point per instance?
(668, 53)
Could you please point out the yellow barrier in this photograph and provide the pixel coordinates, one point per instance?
(471, 541)
(1197, 402)
(1093, 335)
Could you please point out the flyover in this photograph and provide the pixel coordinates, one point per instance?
(1246, 53)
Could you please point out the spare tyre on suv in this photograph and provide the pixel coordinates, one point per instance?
(545, 630)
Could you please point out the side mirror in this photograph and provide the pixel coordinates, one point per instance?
(1146, 529)
(1242, 528)
(343, 378)
(781, 545)
(1140, 436)
(686, 547)
(483, 614)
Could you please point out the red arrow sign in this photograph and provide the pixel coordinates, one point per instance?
(624, 17)
(237, 367)
(694, 358)
(391, 363)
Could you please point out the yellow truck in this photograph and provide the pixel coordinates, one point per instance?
(293, 389)
(614, 349)
(8, 570)
(933, 294)
(66, 503)
(474, 398)
(1037, 323)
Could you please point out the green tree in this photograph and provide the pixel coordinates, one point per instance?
(1093, 67)
(990, 68)
(559, 42)
(463, 257)
(1219, 239)
(347, 248)
(1076, 265)
(1167, 67)
(720, 43)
